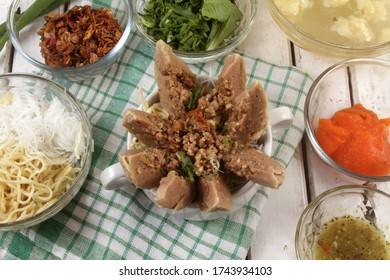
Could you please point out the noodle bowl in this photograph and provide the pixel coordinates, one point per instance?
(45, 149)
(241, 196)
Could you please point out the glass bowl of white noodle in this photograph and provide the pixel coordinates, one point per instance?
(45, 149)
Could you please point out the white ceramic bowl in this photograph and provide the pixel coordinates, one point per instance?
(239, 198)
(279, 118)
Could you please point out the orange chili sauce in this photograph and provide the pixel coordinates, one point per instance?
(357, 139)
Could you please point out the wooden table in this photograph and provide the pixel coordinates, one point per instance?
(306, 175)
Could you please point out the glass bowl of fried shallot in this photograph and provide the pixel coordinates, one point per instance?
(78, 43)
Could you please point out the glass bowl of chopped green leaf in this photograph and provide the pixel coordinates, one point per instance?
(197, 30)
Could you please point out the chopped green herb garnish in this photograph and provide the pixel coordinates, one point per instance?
(191, 25)
(187, 167)
(224, 131)
(192, 102)
(227, 141)
(188, 170)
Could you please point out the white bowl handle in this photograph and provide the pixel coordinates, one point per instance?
(280, 119)
(113, 177)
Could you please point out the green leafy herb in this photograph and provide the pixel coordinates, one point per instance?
(192, 102)
(220, 10)
(227, 14)
(191, 25)
(224, 31)
(187, 167)
(189, 171)
(38, 8)
(227, 141)
(224, 131)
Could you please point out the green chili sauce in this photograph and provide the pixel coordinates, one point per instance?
(351, 238)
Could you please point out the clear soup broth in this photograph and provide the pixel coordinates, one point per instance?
(353, 23)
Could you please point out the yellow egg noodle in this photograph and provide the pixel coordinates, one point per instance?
(30, 184)
(40, 142)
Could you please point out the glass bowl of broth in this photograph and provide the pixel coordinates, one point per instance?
(335, 28)
(345, 223)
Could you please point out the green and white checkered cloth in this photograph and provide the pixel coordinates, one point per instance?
(125, 224)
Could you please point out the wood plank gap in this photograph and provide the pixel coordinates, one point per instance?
(249, 255)
(292, 52)
(306, 165)
(9, 58)
(350, 86)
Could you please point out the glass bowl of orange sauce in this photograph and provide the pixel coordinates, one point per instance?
(347, 118)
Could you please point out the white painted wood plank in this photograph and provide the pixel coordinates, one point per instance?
(266, 40)
(274, 238)
(321, 177)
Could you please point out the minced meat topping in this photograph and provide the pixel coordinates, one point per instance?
(201, 133)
